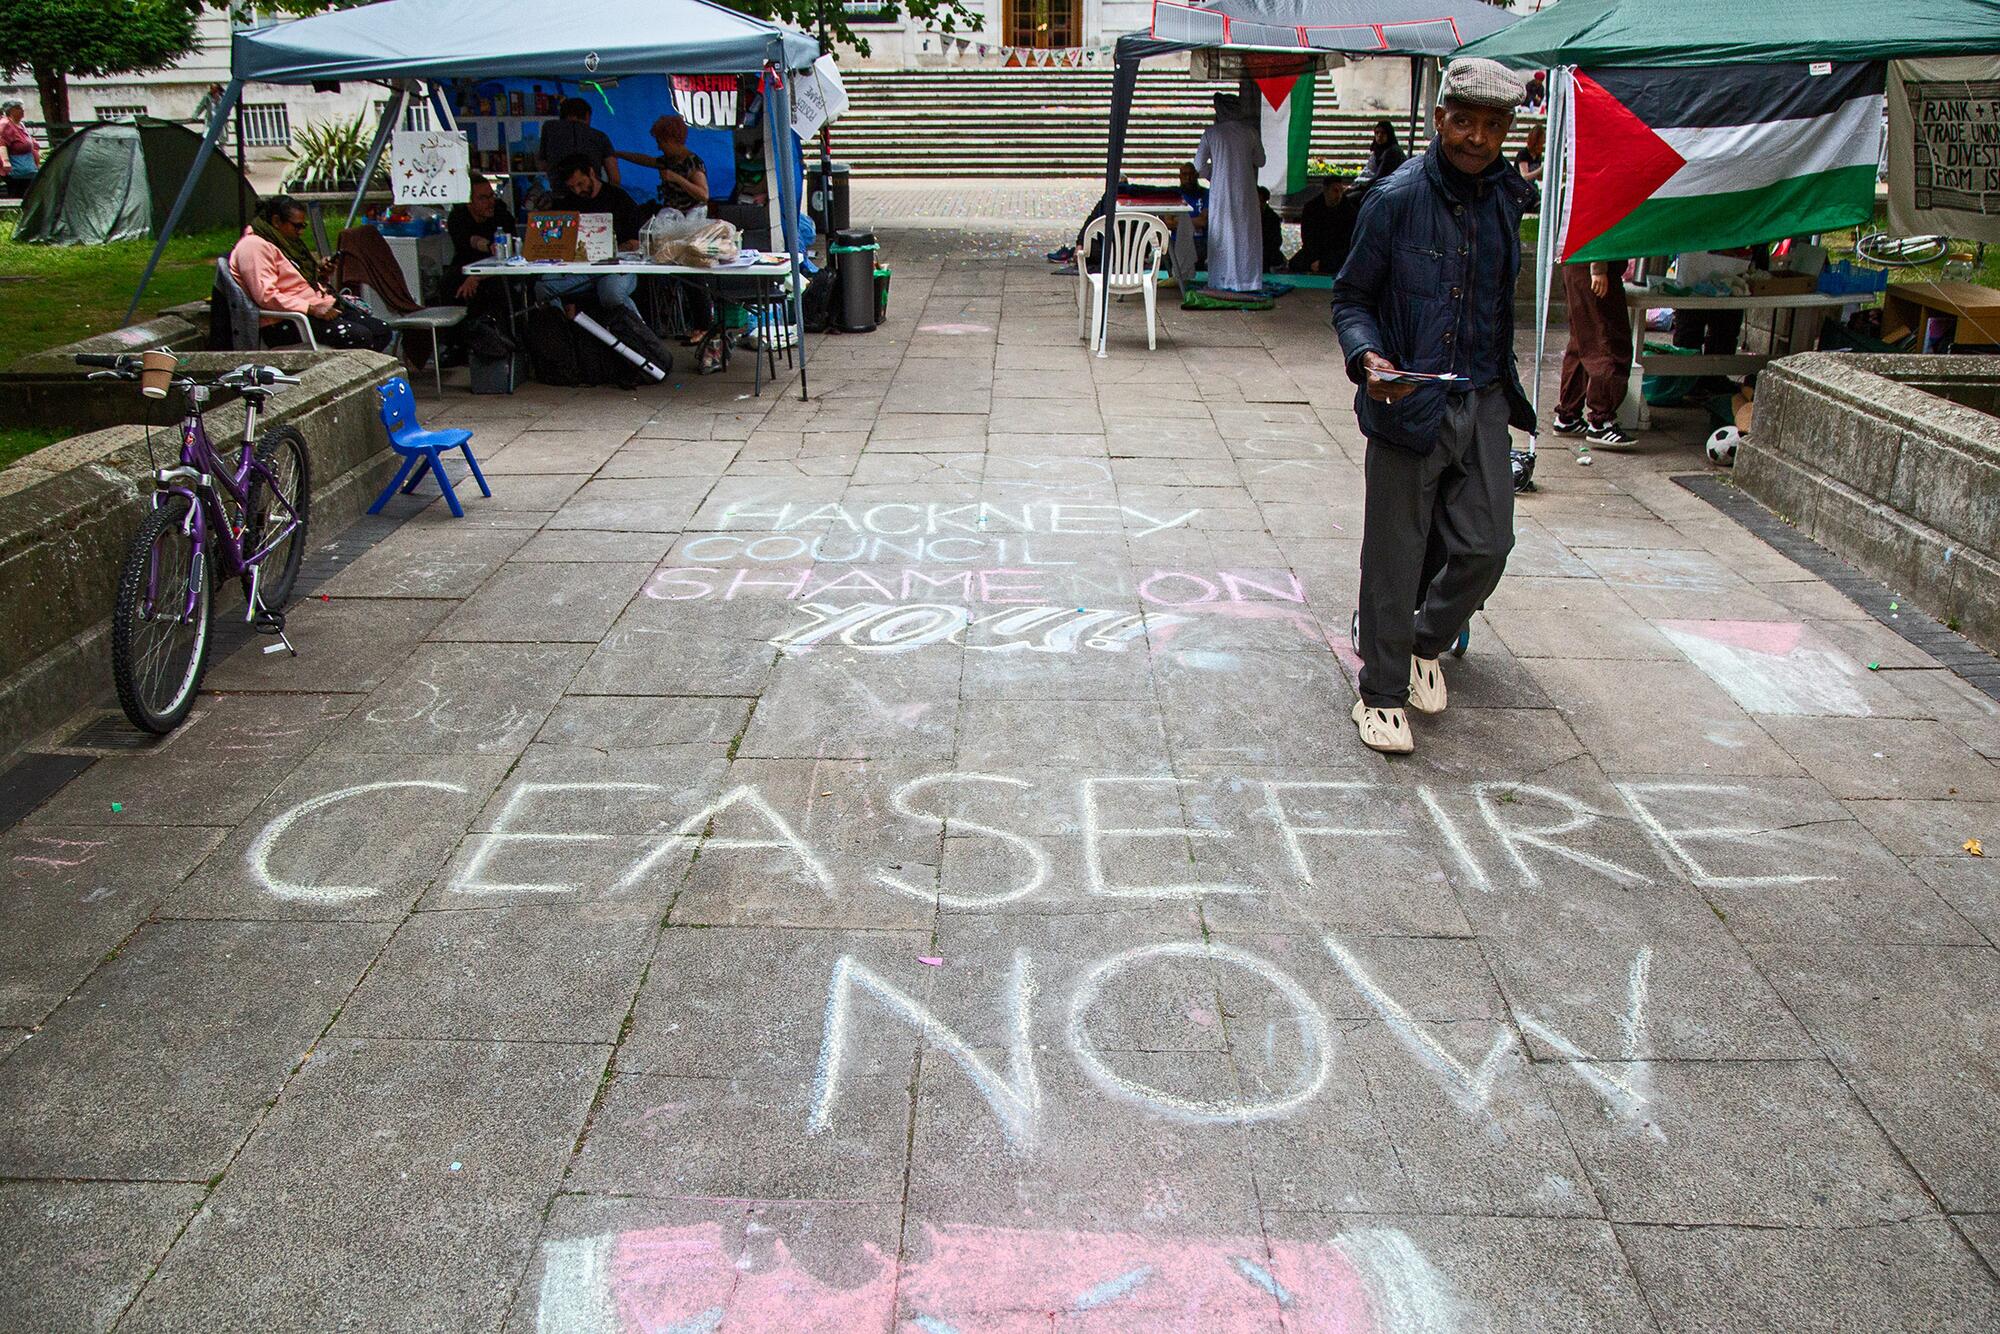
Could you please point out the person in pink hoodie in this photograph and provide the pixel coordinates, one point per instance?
(275, 267)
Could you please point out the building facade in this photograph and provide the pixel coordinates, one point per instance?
(1061, 32)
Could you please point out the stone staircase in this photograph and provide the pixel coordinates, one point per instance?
(1024, 124)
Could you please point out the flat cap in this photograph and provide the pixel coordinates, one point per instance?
(1482, 83)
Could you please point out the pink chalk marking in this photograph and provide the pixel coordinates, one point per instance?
(1201, 1017)
(929, 962)
(953, 329)
(1777, 638)
(989, 1278)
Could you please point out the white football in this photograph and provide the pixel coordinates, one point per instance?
(1722, 446)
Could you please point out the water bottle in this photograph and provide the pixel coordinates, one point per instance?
(502, 246)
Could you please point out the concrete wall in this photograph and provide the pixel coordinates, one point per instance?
(1871, 457)
(68, 511)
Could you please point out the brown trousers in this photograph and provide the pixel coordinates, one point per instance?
(1598, 360)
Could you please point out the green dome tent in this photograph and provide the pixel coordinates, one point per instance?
(113, 180)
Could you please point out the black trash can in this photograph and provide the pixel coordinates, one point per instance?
(816, 199)
(853, 255)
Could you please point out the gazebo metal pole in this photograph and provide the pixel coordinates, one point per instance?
(392, 115)
(218, 123)
(1124, 82)
(778, 135)
(1555, 189)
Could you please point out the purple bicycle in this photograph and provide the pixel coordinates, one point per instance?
(210, 518)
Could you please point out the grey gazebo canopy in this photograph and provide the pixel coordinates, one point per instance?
(444, 39)
(396, 41)
(1414, 30)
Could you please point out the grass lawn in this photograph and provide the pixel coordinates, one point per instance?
(19, 441)
(51, 295)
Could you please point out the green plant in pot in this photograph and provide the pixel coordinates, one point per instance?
(329, 155)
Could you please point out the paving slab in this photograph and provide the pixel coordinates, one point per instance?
(73, 1254)
(417, 1188)
(1499, 1274)
(160, 1066)
(227, 757)
(72, 896)
(463, 699)
(667, 1263)
(1914, 1276)
(345, 838)
(1862, 1005)
(1748, 1143)
(563, 973)
(535, 602)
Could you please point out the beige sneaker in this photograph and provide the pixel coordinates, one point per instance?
(1426, 685)
(1386, 730)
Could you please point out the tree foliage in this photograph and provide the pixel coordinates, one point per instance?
(57, 40)
(940, 15)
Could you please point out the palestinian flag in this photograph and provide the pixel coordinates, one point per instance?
(1285, 116)
(1670, 160)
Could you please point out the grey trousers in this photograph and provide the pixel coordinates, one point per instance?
(1460, 497)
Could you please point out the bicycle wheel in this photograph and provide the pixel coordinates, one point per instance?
(160, 621)
(282, 451)
(1901, 252)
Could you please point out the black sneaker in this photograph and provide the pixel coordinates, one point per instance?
(1609, 434)
(1562, 427)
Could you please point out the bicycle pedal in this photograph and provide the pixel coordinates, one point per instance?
(267, 622)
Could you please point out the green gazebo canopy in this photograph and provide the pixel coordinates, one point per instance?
(1595, 33)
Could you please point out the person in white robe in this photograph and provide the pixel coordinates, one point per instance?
(1228, 157)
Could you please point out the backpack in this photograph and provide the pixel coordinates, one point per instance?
(492, 360)
(552, 346)
(818, 301)
(630, 330)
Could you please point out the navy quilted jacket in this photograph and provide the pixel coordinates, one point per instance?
(1403, 294)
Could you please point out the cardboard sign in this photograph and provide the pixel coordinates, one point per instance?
(594, 238)
(707, 101)
(818, 97)
(550, 236)
(429, 167)
(1944, 147)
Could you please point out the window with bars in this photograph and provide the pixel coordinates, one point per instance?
(416, 115)
(116, 112)
(267, 125)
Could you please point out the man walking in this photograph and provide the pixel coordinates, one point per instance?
(1597, 362)
(1428, 287)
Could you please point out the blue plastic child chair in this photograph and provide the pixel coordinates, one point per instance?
(420, 448)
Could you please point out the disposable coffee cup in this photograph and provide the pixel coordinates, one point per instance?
(156, 373)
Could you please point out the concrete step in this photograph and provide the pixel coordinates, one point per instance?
(1030, 124)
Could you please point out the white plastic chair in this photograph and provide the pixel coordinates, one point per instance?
(433, 318)
(1131, 261)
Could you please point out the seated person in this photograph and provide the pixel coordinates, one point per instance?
(1195, 195)
(570, 135)
(578, 190)
(1274, 232)
(1326, 227)
(683, 178)
(277, 270)
(471, 227)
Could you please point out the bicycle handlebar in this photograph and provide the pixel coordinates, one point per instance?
(125, 366)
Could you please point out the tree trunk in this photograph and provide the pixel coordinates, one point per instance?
(53, 85)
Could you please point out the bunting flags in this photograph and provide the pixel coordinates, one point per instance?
(956, 48)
